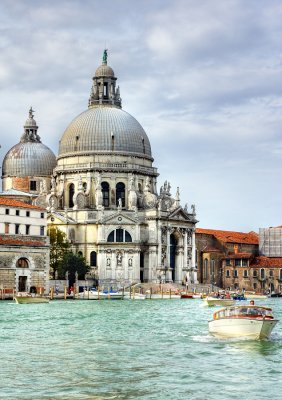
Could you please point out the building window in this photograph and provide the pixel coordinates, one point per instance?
(235, 273)
(22, 263)
(255, 286)
(245, 273)
(27, 229)
(41, 215)
(227, 273)
(106, 194)
(237, 262)
(119, 235)
(7, 211)
(42, 231)
(71, 194)
(262, 273)
(228, 261)
(84, 187)
(93, 259)
(280, 274)
(206, 265)
(28, 213)
(120, 193)
(245, 262)
(255, 273)
(32, 185)
(7, 228)
(17, 212)
(271, 273)
(17, 229)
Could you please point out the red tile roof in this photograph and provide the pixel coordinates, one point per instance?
(263, 261)
(239, 255)
(230, 236)
(6, 241)
(210, 249)
(4, 201)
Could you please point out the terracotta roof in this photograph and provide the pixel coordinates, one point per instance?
(4, 201)
(210, 249)
(230, 236)
(19, 242)
(238, 255)
(263, 261)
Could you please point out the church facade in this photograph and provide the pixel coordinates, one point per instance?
(103, 194)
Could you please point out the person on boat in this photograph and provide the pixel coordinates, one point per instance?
(252, 303)
(227, 296)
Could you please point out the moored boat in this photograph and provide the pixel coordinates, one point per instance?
(255, 296)
(248, 321)
(94, 294)
(162, 296)
(30, 298)
(218, 301)
(134, 296)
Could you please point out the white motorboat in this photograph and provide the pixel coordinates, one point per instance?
(134, 296)
(92, 294)
(247, 321)
(217, 301)
(30, 298)
(255, 296)
(162, 296)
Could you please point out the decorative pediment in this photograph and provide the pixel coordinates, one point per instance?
(57, 218)
(181, 215)
(120, 218)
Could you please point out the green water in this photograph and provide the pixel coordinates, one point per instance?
(131, 350)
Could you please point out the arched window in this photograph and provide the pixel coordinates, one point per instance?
(71, 194)
(262, 273)
(173, 244)
(206, 264)
(80, 253)
(84, 186)
(22, 263)
(106, 194)
(93, 259)
(120, 236)
(120, 193)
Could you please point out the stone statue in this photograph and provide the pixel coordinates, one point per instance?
(105, 56)
(168, 188)
(148, 184)
(119, 204)
(165, 186)
(193, 208)
(186, 207)
(53, 184)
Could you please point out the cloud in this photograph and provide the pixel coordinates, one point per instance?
(203, 78)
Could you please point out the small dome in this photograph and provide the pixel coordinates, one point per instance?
(104, 70)
(29, 159)
(105, 129)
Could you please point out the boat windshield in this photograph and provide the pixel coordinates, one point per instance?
(247, 311)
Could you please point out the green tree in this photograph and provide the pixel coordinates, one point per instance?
(59, 247)
(72, 263)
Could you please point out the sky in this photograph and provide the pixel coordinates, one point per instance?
(203, 78)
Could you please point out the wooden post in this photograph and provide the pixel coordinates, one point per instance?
(98, 293)
(130, 292)
(133, 293)
(150, 292)
(51, 293)
(170, 293)
(162, 292)
(65, 292)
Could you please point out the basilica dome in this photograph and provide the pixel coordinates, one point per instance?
(103, 129)
(29, 157)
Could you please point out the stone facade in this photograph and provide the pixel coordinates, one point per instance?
(24, 247)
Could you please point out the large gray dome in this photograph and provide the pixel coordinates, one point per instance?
(104, 129)
(29, 159)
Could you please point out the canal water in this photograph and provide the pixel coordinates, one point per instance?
(152, 349)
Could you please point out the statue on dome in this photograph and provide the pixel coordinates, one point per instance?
(105, 56)
(31, 111)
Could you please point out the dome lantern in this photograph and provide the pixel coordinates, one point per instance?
(104, 89)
